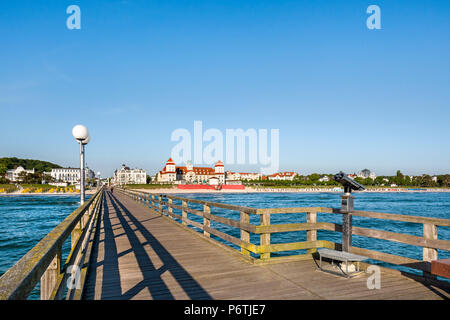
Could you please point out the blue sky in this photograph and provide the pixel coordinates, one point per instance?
(343, 97)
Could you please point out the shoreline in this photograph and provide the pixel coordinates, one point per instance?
(287, 190)
(246, 190)
(16, 193)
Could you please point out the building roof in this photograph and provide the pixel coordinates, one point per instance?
(219, 164)
(196, 170)
(283, 174)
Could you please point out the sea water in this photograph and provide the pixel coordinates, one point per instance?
(24, 220)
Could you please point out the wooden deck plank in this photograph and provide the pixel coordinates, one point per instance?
(141, 255)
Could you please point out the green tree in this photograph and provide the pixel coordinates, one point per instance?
(3, 169)
(399, 178)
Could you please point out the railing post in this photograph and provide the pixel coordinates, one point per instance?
(206, 220)
(429, 254)
(169, 208)
(152, 203)
(265, 237)
(160, 204)
(86, 215)
(311, 235)
(347, 221)
(245, 235)
(50, 276)
(184, 212)
(76, 233)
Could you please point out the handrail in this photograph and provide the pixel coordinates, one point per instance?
(43, 262)
(428, 241)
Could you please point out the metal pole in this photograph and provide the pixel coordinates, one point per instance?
(346, 210)
(81, 173)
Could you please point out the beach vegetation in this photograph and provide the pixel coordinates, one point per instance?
(7, 188)
(38, 165)
(148, 186)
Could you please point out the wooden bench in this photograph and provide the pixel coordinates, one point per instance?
(441, 268)
(341, 256)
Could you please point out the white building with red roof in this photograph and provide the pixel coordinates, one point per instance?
(190, 174)
(243, 175)
(288, 175)
(125, 175)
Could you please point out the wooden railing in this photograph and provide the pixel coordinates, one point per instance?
(164, 205)
(44, 262)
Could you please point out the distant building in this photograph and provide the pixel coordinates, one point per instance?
(70, 175)
(13, 174)
(242, 175)
(190, 174)
(324, 179)
(125, 175)
(366, 173)
(282, 176)
(434, 179)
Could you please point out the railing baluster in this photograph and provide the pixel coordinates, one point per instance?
(170, 209)
(75, 234)
(206, 221)
(265, 237)
(311, 235)
(245, 235)
(50, 276)
(184, 212)
(429, 254)
(152, 203)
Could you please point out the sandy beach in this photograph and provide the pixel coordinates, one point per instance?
(281, 190)
(19, 193)
(246, 190)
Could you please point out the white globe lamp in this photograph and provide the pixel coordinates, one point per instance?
(80, 132)
(86, 141)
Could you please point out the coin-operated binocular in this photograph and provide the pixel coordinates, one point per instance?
(347, 207)
(349, 185)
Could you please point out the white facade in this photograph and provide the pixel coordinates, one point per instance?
(125, 175)
(190, 174)
(13, 174)
(366, 173)
(243, 175)
(70, 175)
(324, 179)
(282, 176)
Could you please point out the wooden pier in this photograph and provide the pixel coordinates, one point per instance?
(134, 245)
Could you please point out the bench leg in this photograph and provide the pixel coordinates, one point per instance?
(320, 261)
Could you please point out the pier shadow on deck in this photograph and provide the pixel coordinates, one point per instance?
(141, 255)
(113, 276)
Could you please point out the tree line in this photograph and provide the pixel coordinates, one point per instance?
(28, 164)
(399, 179)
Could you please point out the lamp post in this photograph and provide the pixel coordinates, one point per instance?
(81, 134)
(98, 183)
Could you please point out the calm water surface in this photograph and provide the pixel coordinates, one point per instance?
(24, 220)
